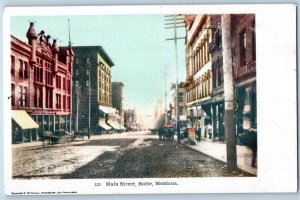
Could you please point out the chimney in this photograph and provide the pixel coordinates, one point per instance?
(32, 37)
(55, 52)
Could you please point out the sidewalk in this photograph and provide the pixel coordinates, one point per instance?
(218, 150)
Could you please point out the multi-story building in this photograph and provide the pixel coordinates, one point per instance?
(182, 111)
(118, 99)
(244, 73)
(198, 70)
(215, 49)
(130, 121)
(244, 68)
(41, 81)
(92, 72)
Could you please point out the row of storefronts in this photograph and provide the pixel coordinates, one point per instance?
(204, 80)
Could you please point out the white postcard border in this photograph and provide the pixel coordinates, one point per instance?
(276, 106)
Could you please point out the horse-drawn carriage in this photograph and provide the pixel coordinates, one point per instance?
(166, 132)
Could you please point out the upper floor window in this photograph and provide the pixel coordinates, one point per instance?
(243, 46)
(23, 70)
(58, 81)
(23, 101)
(64, 83)
(49, 80)
(38, 74)
(12, 62)
(12, 97)
(77, 61)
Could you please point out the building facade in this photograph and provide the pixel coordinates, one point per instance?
(243, 49)
(182, 111)
(118, 99)
(130, 121)
(244, 68)
(41, 82)
(92, 83)
(198, 71)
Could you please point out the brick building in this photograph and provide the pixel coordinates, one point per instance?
(41, 81)
(209, 96)
(92, 68)
(198, 70)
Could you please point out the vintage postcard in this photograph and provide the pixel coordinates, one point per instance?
(150, 99)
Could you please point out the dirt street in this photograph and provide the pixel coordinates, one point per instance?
(126, 155)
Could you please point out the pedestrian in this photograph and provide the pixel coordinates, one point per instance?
(253, 146)
(198, 134)
(160, 133)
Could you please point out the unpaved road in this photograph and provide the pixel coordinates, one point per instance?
(126, 155)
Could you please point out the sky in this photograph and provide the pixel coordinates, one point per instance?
(135, 43)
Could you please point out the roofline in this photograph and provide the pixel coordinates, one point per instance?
(101, 51)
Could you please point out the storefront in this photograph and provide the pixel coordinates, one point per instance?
(246, 113)
(24, 128)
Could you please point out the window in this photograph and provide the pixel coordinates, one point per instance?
(68, 86)
(12, 63)
(243, 45)
(68, 103)
(64, 102)
(87, 83)
(23, 70)
(12, 97)
(49, 80)
(49, 96)
(58, 101)
(77, 72)
(23, 96)
(180, 97)
(38, 74)
(87, 72)
(58, 82)
(38, 97)
(77, 61)
(64, 83)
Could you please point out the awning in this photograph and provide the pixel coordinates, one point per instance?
(23, 119)
(107, 109)
(122, 127)
(103, 125)
(114, 125)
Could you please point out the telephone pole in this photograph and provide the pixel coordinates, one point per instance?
(228, 93)
(174, 22)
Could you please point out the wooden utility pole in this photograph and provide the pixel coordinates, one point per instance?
(175, 21)
(228, 93)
